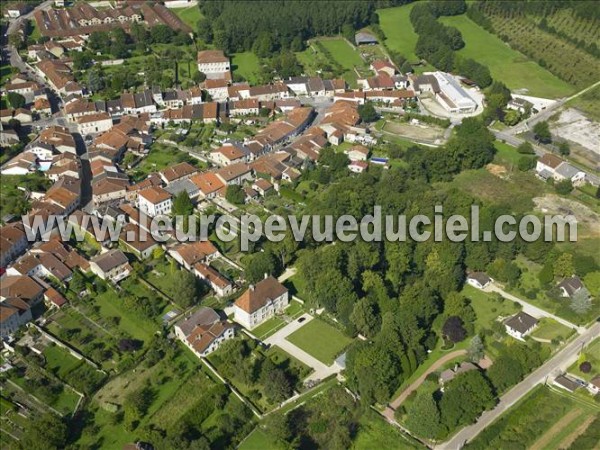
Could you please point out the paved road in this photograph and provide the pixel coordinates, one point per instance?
(546, 113)
(532, 309)
(320, 370)
(557, 364)
(389, 411)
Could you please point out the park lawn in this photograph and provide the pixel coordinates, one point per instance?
(541, 411)
(507, 65)
(190, 15)
(488, 307)
(247, 65)
(59, 361)
(551, 329)
(374, 432)
(399, 32)
(320, 340)
(259, 440)
(267, 328)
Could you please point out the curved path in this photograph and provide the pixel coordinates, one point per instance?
(389, 411)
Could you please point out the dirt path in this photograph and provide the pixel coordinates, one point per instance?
(389, 411)
(566, 442)
(557, 428)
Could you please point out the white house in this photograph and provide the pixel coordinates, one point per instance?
(260, 302)
(94, 123)
(594, 385)
(112, 265)
(203, 331)
(479, 280)
(551, 166)
(213, 63)
(155, 201)
(43, 152)
(520, 325)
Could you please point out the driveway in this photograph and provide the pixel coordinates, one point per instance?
(533, 310)
(321, 370)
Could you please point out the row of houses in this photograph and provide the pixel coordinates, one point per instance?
(82, 19)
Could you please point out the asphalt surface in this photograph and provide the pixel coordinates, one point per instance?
(557, 364)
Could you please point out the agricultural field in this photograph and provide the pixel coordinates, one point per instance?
(543, 420)
(565, 59)
(399, 33)
(320, 340)
(575, 27)
(247, 65)
(514, 69)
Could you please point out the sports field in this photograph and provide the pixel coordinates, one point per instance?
(507, 65)
(320, 340)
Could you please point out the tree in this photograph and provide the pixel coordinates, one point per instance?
(563, 266)
(182, 205)
(276, 385)
(453, 329)
(136, 404)
(424, 416)
(259, 264)
(235, 194)
(15, 100)
(564, 187)
(585, 367)
(185, 288)
(364, 317)
(95, 80)
(367, 112)
(526, 163)
(263, 45)
(541, 130)
(564, 148)
(278, 426)
(46, 432)
(526, 148)
(581, 301)
(476, 349)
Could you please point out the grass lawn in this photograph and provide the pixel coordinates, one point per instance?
(488, 307)
(507, 65)
(374, 432)
(269, 327)
(297, 286)
(59, 361)
(343, 53)
(589, 103)
(507, 154)
(259, 440)
(35, 31)
(591, 353)
(399, 32)
(320, 340)
(551, 329)
(247, 65)
(286, 361)
(159, 157)
(543, 417)
(190, 15)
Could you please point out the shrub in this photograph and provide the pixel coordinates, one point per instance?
(585, 367)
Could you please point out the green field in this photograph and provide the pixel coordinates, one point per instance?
(247, 65)
(189, 16)
(507, 65)
(399, 33)
(544, 419)
(320, 340)
(551, 329)
(343, 53)
(488, 307)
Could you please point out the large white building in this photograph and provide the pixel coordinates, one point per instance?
(260, 302)
(155, 201)
(214, 64)
(447, 90)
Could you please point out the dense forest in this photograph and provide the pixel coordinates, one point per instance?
(274, 25)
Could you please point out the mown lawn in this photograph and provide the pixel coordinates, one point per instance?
(507, 65)
(267, 328)
(320, 340)
(551, 329)
(488, 307)
(59, 361)
(259, 440)
(247, 65)
(190, 15)
(343, 53)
